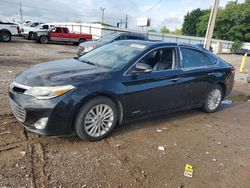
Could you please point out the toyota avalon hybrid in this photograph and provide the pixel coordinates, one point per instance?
(122, 80)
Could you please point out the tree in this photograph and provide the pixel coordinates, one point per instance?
(201, 27)
(152, 31)
(164, 29)
(232, 23)
(191, 20)
(177, 32)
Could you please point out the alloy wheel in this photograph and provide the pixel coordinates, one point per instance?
(214, 99)
(99, 120)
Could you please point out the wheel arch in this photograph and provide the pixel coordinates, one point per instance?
(110, 96)
(82, 39)
(6, 30)
(223, 87)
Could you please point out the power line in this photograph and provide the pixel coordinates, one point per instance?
(151, 8)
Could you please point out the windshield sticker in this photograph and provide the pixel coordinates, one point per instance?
(138, 46)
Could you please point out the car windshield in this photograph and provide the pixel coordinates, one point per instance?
(114, 55)
(107, 38)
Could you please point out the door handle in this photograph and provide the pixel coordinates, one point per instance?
(175, 79)
(211, 74)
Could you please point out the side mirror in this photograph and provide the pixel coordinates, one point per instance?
(142, 68)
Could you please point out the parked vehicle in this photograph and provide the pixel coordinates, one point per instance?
(29, 29)
(28, 32)
(88, 46)
(117, 82)
(61, 34)
(7, 30)
(243, 51)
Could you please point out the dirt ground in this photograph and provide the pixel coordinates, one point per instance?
(216, 145)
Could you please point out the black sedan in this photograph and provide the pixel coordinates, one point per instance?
(116, 82)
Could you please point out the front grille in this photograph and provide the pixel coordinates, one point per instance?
(18, 111)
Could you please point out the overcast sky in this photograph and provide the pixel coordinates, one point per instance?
(162, 12)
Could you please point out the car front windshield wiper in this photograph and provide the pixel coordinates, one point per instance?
(90, 63)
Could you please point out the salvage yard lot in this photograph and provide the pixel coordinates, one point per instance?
(217, 145)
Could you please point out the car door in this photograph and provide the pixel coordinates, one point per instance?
(197, 74)
(153, 91)
(67, 36)
(56, 34)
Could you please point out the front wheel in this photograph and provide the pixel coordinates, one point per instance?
(213, 99)
(96, 119)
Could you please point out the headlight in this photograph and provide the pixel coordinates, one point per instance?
(48, 92)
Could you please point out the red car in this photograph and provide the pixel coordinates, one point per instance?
(61, 34)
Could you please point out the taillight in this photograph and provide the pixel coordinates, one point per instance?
(18, 29)
(233, 70)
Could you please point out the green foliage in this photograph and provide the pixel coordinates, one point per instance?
(152, 31)
(177, 32)
(236, 45)
(191, 20)
(164, 29)
(232, 23)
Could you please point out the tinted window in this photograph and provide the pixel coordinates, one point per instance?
(45, 27)
(135, 38)
(121, 38)
(112, 55)
(193, 58)
(212, 59)
(65, 30)
(58, 30)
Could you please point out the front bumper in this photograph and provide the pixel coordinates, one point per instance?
(29, 110)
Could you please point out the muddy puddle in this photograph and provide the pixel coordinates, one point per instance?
(232, 99)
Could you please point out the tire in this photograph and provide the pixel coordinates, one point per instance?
(5, 36)
(82, 41)
(93, 126)
(44, 39)
(213, 99)
(30, 36)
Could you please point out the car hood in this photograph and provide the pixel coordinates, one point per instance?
(93, 44)
(61, 72)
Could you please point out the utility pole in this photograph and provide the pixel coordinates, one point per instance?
(21, 11)
(211, 24)
(102, 10)
(126, 22)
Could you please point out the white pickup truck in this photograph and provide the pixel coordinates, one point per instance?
(7, 30)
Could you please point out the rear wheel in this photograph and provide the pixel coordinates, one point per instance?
(96, 119)
(44, 39)
(5, 36)
(213, 99)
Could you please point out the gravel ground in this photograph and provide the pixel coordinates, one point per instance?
(217, 145)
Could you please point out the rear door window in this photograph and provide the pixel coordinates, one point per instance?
(192, 58)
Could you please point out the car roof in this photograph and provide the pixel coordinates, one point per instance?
(128, 34)
(162, 43)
